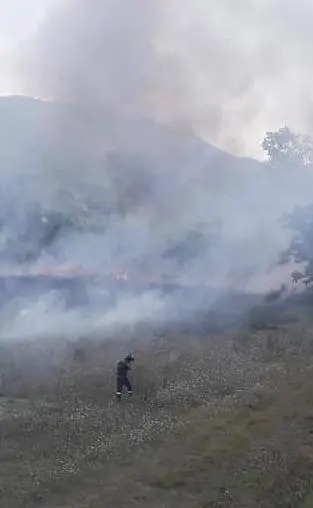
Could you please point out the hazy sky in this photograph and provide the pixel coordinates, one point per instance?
(228, 70)
(19, 20)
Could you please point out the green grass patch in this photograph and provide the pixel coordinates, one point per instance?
(308, 501)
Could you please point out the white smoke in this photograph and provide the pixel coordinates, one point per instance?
(227, 71)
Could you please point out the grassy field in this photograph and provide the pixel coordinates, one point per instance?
(217, 420)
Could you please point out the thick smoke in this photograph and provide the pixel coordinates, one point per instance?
(234, 69)
(227, 71)
(101, 55)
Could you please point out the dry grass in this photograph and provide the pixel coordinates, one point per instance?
(210, 422)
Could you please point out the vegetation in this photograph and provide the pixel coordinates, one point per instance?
(285, 149)
(25, 239)
(288, 150)
(301, 247)
(216, 420)
(209, 423)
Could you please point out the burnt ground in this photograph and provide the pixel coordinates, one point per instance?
(216, 421)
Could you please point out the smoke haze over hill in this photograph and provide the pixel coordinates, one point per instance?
(227, 72)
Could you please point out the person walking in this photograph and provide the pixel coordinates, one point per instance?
(122, 381)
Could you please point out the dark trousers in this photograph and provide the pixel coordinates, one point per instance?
(121, 382)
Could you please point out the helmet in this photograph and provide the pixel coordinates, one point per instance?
(130, 358)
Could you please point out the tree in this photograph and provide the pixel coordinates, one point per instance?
(300, 221)
(24, 240)
(197, 242)
(285, 148)
(187, 248)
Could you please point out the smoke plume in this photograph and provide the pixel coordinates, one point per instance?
(224, 72)
(228, 70)
(101, 55)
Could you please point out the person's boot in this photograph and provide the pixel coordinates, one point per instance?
(130, 393)
(118, 396)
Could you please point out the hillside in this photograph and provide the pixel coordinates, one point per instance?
(150, 191)
(215, 421)
(75, 146)
(221, 412)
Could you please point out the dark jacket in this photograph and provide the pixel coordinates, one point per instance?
(122, 369)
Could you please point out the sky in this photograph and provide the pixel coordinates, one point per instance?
(19, 22)
(228, 70)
